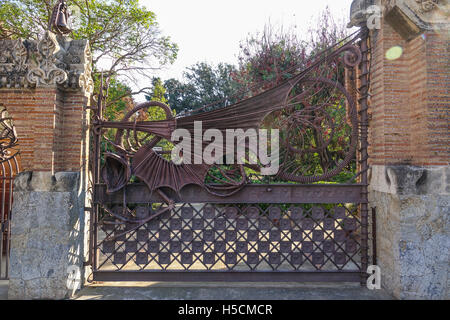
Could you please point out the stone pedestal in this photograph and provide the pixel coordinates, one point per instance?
(48, 231)
(413, 229)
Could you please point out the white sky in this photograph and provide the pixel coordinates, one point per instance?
(210, 30)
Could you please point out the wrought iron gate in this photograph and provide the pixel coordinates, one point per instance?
(9, 167)
(157, 221)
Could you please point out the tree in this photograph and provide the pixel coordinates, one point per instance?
(158, 92)
(265, 59)
(204, 85)
(123, 36)
(181, 96)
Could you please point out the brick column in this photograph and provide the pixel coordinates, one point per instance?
(45, 86)
(410, 148)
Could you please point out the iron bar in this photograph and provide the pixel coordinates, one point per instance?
(374, 236)
(364, 152)
(315, 193)
(221, 276)
(3, 220)
(9, 168)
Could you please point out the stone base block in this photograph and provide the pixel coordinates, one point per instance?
(413, 230)
(47, 236)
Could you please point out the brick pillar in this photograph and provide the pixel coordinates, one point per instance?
(51, 125)
(45, 86)
(410, 148)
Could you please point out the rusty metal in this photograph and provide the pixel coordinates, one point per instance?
(137, 193)
(9, 167)
(153, 219)
(304, 119)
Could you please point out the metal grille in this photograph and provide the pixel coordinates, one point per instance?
(236, 238)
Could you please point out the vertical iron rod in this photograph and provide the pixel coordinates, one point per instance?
(364, 153)
(374, 236)
(97, 164)
(8, 217)
(3, 221)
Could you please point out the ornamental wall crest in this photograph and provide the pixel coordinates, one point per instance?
(50, 60)
(46, 72)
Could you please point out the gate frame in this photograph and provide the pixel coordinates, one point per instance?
(99, 196)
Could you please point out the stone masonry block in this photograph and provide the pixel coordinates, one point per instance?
(47, 234)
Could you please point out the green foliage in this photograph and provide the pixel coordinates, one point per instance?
(15, 23)
(118, 101)
(180, 95)
(158, 91)
(203, 85)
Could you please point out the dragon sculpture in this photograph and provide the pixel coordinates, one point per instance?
(294, 102)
